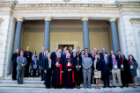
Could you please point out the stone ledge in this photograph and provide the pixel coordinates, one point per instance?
(7, 3)
(68, 5)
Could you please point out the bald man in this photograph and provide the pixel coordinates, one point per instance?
(28, 56)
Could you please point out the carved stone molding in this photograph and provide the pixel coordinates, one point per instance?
(67, 4)
(136, 3)
(66, 0)
(135, 20)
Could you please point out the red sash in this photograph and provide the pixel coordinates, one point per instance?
(122, 61)
(72, 71)
(28, 53)
(60, 66)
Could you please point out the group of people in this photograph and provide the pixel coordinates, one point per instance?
(68, 69)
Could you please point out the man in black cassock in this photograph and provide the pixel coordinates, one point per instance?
(28, 56)
(69, 81)
(57, 76)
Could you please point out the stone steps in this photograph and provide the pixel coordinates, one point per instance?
(26, 78)
(63, 90)
(36, 85)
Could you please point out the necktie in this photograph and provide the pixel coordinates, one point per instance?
(114, 63)
(106, 61)
(43, 53)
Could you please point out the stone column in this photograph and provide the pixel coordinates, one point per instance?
(10, 45)
(18, 34)
(115, 42)
(86, 42)
(47, 33)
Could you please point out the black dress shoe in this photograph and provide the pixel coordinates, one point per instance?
(104, 86)
(114, 86)
(48, 87)
(121, 86)
(109, 86)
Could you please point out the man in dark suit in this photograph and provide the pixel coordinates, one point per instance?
(82, 54)
(73, 55)
(86, 51)
(105, 66)
(14, 59)
(41, 55)
(110, 56)
(70, 50)
(53, 55)
(63, 54)
(78, 50)
(35, 65)
(115, 66)
(28, 56)
(102, 53)
(119, 55)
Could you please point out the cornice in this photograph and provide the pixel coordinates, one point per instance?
(66, 5)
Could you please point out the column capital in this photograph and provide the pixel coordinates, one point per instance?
(85, 18)
(19, 19)
(1, 20)
(48, 18)
(112, 19)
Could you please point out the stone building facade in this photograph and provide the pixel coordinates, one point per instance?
(113, 24)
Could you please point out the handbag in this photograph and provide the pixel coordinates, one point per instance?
(97, 74)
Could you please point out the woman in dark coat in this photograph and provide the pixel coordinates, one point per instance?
(78, 69)
(97, 71)
(57, 75)
(69, 81)
(133, 67)
(125, 72)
